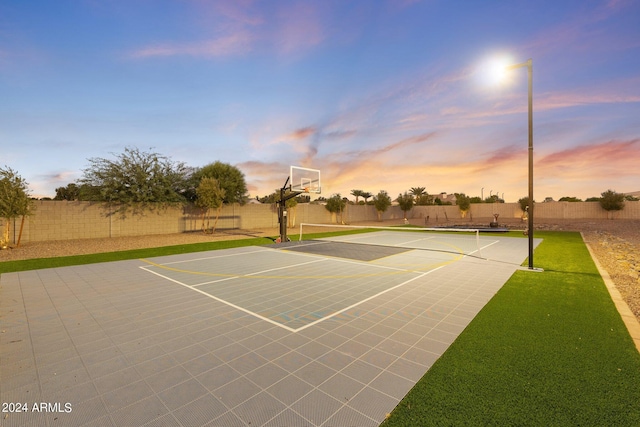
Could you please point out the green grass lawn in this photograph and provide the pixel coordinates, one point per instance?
(549, 349)
(39, 263)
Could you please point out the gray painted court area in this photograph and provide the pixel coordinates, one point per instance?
(311, 334)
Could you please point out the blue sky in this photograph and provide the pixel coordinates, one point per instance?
(378, 95)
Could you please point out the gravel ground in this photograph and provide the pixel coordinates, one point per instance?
(616, 244)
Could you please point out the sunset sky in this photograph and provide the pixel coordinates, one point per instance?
(378, 95)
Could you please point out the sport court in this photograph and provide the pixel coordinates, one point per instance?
(327, 332)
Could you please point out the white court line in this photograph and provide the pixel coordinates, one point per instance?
(345, 239)
(416, 240)
(398, 234)
(263, 271)
(214, 257)
(348, 261)
(481, 248)
(383, 234)
(366, 299)
(237, 307)
(316, 258)
(317, 242)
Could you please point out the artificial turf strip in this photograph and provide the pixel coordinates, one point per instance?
(65, 261)
(38, 263)
(549, 349)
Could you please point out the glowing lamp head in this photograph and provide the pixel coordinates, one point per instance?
(495, 71)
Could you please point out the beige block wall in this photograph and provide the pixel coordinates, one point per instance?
(63, 220)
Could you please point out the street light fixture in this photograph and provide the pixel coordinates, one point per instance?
(529, 66)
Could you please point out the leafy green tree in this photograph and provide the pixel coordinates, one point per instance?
(14, 201)
(406, 202)
(524, 203)
(421, 197)
(336, 204)
(319, 200)
(209, 196)
(475, 199)
(271, 198)
(134, 181)
(290, 204)
(569, 199)
(381, 201)
(231, 180)
(464, 203)
(70, 192)
(612, 201)
(493, 199)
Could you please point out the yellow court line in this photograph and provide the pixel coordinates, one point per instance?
(347, 276)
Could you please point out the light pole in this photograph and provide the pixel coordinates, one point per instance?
(529, 65)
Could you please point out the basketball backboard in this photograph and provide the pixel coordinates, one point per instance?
(305, 180)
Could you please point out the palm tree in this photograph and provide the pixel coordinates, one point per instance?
(366, 196)
(357, 193)
(417, 192)
(420, 195)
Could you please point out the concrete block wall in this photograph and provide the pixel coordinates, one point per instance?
(63, 220)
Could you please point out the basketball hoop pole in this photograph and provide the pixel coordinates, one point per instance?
(282, 211)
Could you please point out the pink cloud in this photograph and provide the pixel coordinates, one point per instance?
(241, 25)
(302, 133)
(565, 100)
(264, 177)
(299, 27)
(583, 32)
(241, 12)
(589, 169)
(612, 156)
(516, 104)
(500, 157)
(233, 44)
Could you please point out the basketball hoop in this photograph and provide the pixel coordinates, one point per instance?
(304, 180)
(300, 180)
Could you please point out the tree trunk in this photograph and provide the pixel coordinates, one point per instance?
(20, 234)
(215, 223)
(204, 215)
(4, 242)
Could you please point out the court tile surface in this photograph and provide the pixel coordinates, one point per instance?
(132, 343)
